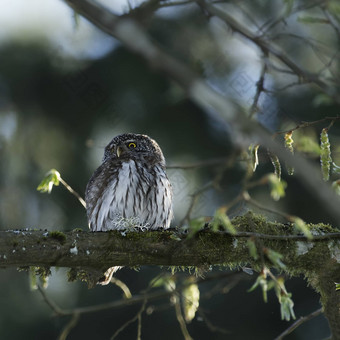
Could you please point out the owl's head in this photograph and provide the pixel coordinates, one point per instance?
(134, 146)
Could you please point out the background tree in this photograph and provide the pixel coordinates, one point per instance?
(206, 80)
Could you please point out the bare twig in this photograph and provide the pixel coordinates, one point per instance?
(298, 323)
(73, 192)
(210, 325)
(259, 89)
(69, 326)
(180, 318)
(56, 309)
(122, 286)
(308, 124)
(127, 323)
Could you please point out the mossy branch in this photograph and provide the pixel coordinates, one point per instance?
(99, 250)
(317, 259)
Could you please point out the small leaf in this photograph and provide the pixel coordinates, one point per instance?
(336, 186)
(337, 286)
(190, 301)
(289, 146)
(301, 226)
(221, 219)
(325, 156)
(175, 237)
(51, 178)
(285, 300)
(196, 225)
(254, 159)
(33, 279)
(276, 163)
(252, 248)
(277, 187)
(335, 168)
(274, 257)
(261, 281)
(162, 281)
(287, 305)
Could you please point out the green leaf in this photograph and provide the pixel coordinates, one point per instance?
(274, 257)
(33, 279)
(325, 156)
(277, 187)
(51, 178)
(166, 281)
(175, 237)
(190, 301)
(276, 163)
(254, 159)
(252, 248)
(335, 168)
(337, 286)
(285, 300)
(289, 146)
(336, 186)
(287, 305)
(195, 225)
(301, 226)
(262, 282)
(221, 219)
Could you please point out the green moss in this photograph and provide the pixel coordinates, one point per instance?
(77, 230)
(58, 235)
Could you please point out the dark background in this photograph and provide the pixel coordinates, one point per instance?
(59, 111)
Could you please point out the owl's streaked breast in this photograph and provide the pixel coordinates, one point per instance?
(134, 195)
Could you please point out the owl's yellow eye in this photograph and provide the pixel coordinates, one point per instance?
(132, 145)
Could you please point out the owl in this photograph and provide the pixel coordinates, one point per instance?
(130, 189)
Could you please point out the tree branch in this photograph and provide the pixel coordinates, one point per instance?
(100, 250)
(94, 252)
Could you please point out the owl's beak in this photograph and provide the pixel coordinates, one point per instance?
(119, 151)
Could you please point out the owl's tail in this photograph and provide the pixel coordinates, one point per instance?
(108, 275)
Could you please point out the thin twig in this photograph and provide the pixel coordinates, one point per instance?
(248, 199)
(122, 286)
(180, 318)
(259, 89)
(56, 309)
(307, 124)
(127, 323)
(298, 323)
(210, 325)
(69, 326)
(73, 192)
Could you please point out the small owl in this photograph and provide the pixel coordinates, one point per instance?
(130, 188)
